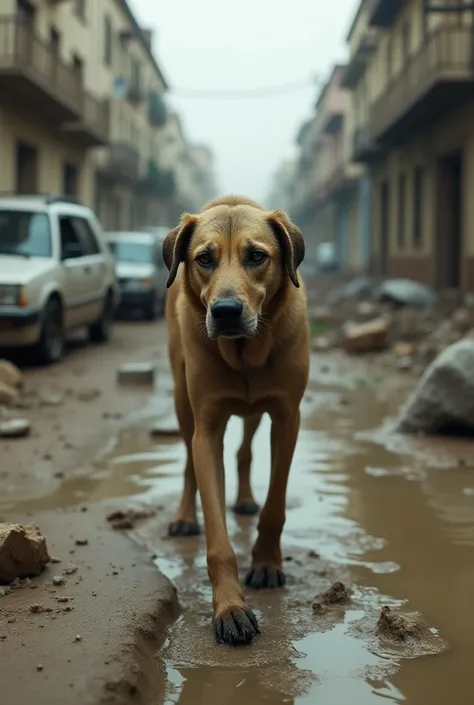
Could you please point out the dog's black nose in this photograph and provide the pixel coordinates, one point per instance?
(226, 309)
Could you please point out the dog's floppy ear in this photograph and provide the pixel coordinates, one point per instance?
(176, 244)
(290, 239)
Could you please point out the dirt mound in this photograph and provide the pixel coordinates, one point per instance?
(338, 594)
(401, 628)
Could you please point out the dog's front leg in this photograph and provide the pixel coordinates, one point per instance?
(266, 570)
(234, 623)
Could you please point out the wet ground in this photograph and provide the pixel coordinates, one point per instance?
(392, 518)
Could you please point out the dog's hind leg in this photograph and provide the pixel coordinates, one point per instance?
(184, 522)
(245, 503)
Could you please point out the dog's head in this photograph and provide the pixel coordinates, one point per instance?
(237, 258)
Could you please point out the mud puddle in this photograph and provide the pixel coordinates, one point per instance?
(384, 519)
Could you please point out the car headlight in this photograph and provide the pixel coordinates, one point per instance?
(10, 295)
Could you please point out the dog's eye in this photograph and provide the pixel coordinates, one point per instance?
(257, 257)
(204, 259)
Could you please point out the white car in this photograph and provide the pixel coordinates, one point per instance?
(56, 274)
(141, 272)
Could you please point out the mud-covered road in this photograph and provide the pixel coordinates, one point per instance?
(392, 519)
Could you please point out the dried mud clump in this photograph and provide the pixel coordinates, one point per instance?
(338, 594)
(401, 628)
(23, 552)
(126, 519)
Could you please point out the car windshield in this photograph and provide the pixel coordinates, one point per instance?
(136, 252)
(25, 234)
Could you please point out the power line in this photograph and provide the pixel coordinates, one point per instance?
(243, 94)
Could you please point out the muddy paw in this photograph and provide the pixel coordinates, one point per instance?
(246, 508)
(183, 528)
(238, 629)
(263, 578)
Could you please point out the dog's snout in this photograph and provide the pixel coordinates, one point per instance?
(226, 309)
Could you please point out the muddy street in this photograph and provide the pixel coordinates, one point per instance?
(390, 518)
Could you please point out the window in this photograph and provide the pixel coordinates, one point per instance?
(70, 178)
(71, 246)
(25, 234)
(401, 211)
(135, 77)
(406, 35)
(78, 67)
(418, 188)
(388, 56)
(80, 8)
(55, 41)
(108, 41)
(86, 236)
(128, 251)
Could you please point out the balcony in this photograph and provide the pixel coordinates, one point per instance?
(157, 111)
(365, 150)
(358, 62)
(435, 80)
(122, 163)
(92, 129)
(32, 74)
(382, 13)
(158, 182)
(135, 93)
(333, 122)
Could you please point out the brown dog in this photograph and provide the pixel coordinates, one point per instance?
(238, 341)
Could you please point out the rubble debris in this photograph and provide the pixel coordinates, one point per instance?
(125, 519)
(23, 552)
(402, 350)
(88, 394)
(59, 580)
(398, 627)
(7, 394)
(443, 402)
(366, 337)
(137, 373)
(337, 594)
(162, 431)
(51, 400)
(15, 428)
(358, 288)
(405, 292)
(82, 542)
(11, 375)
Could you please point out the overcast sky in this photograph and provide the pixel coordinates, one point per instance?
(217, 44)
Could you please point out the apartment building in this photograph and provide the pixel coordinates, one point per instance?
(82, 108)
(330, 196)
(414, 129)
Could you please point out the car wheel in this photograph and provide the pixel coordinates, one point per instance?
(153, 310)
(50, 347)
(99, 332)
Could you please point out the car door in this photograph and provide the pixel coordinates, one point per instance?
(74, 276)
(94, 269)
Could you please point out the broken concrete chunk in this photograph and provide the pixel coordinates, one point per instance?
(405, 292)
(7, 394)
(443, 402)
(366, 337)
(10, 375)
(15, 428)
(137, 373)
(23, 552)
(88, 394)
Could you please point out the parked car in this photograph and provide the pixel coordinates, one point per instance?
(326, 256)
(141, 271)
(56, 274)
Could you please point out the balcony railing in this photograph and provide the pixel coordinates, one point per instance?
(364, 148)
(445, 58)
(123, 161)
(157, 111)
(30, 68)
(158, 182)
(359, 60)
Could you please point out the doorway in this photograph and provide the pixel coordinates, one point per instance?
(384, 228)
(449, 233)
(26, 168)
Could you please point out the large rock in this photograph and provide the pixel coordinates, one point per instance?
(443, 402)
(23, 552)
(7, 394)
(358, 288)
(366, 337)
(405, 292)
(10, 375)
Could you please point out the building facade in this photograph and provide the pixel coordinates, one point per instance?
(82, 109)
(414, 129)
